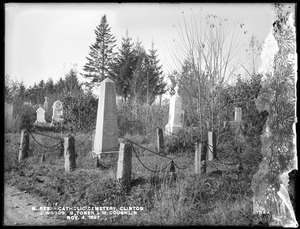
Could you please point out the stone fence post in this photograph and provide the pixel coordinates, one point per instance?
(69, 153)
(125, 165)
(200, 158)
(24, 145)
(160, 140)
(212, 147)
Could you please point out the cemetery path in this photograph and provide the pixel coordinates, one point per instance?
(18, 209)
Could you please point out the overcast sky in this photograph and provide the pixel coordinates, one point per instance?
(43, 40)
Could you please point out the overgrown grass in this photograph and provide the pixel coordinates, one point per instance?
(186, 199)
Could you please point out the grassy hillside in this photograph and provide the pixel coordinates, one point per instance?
(190, 199)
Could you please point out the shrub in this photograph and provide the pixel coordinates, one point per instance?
(80, 110)
(127, 122)
(58, 127)
(184, 140)
(140, 118)
(25, 117)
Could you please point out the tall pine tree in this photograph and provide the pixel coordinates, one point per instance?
(124, 67)
(155, 73)
(49, 86)
(59, 86)
(21, 91)
(147, 81)
(101, 55)
(71, 82)
(138, 82)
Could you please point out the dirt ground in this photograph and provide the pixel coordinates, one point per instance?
(18, 210)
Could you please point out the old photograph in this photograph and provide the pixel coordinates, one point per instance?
(150, 114)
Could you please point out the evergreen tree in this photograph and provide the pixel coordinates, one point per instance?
(40, 92)
(156, 86)
(147, 80)
(139, 79)
(71, 82)
(59, 86)
(101, 55)
(14, 86)
(49, 86)
(22, 91)
(124, 67)
(33, 93)
(8, 89)
(41, 84)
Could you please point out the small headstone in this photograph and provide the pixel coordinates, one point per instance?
(46, 104)
(40, 116)
(238, 114)
(175, 114)
(8, 116)
(106, 136)
(119, 101)
(57, 112)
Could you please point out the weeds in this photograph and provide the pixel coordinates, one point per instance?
(188, 199)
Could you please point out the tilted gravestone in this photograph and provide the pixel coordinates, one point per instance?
(175, 122)
(40, 116)
(106, 136)
(57, 112)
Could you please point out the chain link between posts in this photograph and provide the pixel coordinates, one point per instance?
(90, 131)
(48, 147)
(145, 149)
(154, 171)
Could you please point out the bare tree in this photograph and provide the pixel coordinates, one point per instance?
(253, 57)
(206, 56)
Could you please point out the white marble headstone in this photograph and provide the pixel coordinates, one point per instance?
(57, 111)
(175, 114)
(40, 115)
(106, 136)
(237, 114)
(119, 101)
